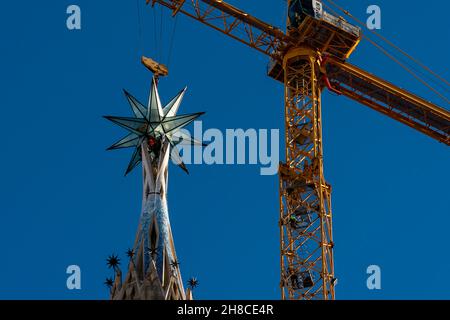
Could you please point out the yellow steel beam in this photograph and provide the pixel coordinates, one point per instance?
(393, 88)
(391, 100)
(232, 22)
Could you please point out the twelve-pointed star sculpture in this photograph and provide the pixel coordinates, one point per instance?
(153, 126)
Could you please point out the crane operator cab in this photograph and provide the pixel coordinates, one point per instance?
(299, 9)
(311, 26)
(302, 12)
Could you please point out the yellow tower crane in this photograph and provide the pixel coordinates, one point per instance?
(309, 57)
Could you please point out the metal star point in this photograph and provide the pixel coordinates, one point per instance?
(154, 125)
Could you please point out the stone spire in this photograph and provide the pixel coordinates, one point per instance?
(153, 271)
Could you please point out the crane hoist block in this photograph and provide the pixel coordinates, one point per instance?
(158, 69)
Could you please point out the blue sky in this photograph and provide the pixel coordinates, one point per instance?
(64, 200)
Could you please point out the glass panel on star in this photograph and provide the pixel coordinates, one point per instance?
(135, 125)
(178, 122)
(157, 129)
(131, 140)
(176, 158)
(139, 110)
(154, 104)
(171, 108)
(179, 137)
(154, 127)
(135, 160)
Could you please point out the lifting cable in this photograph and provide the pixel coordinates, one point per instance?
(408, 70)
(155, 37)
(285, 13)
(346, 12)
(161, 31)
(172, 38)
(140, 36)
(397, 48)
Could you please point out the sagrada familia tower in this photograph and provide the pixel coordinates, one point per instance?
(153, 270)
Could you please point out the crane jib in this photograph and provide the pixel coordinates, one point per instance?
(257, 23)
